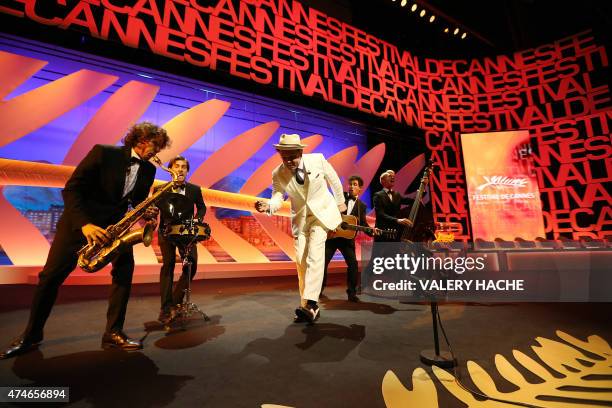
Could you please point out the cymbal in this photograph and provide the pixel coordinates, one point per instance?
(175, 207)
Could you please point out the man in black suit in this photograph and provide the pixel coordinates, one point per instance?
(102, 187)
(387, 204)
(357, 208)
(193, 194)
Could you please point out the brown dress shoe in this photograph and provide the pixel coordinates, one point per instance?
(19, 346)
(120, 340)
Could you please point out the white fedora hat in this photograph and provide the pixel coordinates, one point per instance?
(289, 141)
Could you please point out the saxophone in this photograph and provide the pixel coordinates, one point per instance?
(94, 257)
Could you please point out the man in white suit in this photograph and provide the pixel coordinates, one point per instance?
(314, 210)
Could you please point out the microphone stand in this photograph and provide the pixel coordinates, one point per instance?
(431, 357)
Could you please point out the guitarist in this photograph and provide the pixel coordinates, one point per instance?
(387, 204)
(357, 208)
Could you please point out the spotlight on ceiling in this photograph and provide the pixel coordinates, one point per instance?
(414, 7)
(432, 19)
(423, 12)
(456, 31)
(404, 2)
(446, 30)
(463, 36)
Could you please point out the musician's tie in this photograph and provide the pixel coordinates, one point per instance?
(299, 176)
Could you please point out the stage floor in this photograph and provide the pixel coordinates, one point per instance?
(251, 353)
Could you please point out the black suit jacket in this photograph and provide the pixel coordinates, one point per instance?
(387, 210)
(359, 210)
(93, 194)
(193, 193)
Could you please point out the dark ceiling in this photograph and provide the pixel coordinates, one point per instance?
(493, 26)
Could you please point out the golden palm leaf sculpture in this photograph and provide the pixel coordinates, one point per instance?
(584, 378)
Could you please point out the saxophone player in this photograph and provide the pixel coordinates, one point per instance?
(102, 187)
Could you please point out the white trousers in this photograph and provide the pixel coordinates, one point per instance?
(310, 258)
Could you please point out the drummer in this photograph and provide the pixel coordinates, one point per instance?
(176, 207)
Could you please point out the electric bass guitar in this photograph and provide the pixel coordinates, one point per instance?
(349, 227)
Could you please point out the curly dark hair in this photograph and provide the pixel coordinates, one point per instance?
(356, 177)
(145, 131)
(178, 158)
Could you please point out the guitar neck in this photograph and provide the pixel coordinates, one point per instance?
(358, 228)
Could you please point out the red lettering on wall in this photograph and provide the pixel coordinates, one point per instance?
(555, 90)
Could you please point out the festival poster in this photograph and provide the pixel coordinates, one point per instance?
(503, 191)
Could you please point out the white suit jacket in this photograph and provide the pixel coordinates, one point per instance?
(313, 195)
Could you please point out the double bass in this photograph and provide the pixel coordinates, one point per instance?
(423, 230)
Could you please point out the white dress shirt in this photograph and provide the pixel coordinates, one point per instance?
(300, 169)
(130, 177)
(351, 203)
(389, 194)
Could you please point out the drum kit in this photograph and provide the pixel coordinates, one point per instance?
(183, 231)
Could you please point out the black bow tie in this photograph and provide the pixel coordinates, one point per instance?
(135, 160)
(299, 176)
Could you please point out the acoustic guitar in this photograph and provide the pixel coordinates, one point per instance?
(349, 226)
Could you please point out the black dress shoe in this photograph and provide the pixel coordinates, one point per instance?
(120, 340)
(299, 318)
(164, 316)
(353, 298)
(310, 313)
(19, 346)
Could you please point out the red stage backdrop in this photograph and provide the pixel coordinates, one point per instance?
(559, 92)
(502, 186)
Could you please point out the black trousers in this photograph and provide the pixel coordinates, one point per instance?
(61, 261)
(171, 297)
(347, 249)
